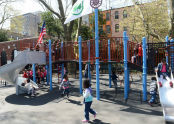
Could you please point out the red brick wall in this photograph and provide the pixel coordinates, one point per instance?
(117, 21)
(9, 46)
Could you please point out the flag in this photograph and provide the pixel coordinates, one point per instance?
(42, 33)
(80, 8)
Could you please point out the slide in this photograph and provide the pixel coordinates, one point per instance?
(9, 72)
(166, 94)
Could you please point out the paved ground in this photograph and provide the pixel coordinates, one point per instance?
(50, 108)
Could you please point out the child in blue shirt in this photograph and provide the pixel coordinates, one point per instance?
(87, 94)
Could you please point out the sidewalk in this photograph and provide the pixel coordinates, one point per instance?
(50, 108)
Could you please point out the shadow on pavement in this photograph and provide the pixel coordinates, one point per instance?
(97, 121)
(74, 102)
(44, 98)
(107, 95)
(134, 109)
(25, 99)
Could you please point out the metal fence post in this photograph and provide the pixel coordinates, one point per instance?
(126, 78)
(89, 69)
(50, 65)
(80, 63)
(144, 71)
(109, 60)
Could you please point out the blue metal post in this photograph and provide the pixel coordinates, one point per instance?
(167, 43)
(172, 54)
(97, 55)
(109, 60)
(50, 65)
(62, 72)
(144, 71)
(34, 69)
(89, 69)
(126, 78)
(34, 73)
(80, 63)
(128, 85)
(47, 76)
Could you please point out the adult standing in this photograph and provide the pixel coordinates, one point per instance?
(3, 57)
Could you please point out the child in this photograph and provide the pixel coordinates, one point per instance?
(153, 90)
(114, 78)
(87, 94)
(86, 71)
(65, 84)
(163, 68)
(30, 86)
(25, 75)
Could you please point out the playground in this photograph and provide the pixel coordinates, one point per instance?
(128, 100)
(57, 81)
(50, 107)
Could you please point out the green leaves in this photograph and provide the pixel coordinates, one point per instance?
(150, 19)
(53, 25)
(3, 36)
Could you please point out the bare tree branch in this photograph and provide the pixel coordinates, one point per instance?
(67, 6)
(50, 9)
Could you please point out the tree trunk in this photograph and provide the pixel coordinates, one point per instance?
(78, 29)
(172, 18)
(61, 15)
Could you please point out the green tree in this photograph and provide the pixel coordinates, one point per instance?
(53, 25)
(150, 20)
(16, 24)
(171, 15)
(60, 13)
(101, 22)
(85, 32)
(3, 36)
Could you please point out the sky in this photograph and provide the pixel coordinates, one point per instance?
(26, 6)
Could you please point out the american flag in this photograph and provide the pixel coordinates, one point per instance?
(42, 33)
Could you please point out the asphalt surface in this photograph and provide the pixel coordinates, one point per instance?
(49, 107)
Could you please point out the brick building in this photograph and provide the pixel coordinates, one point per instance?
(117, 15)
(113, 17)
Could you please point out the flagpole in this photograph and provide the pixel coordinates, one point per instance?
(97, 54)
(95, 4)
(42, 33)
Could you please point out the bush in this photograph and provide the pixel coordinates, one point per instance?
(3, 36)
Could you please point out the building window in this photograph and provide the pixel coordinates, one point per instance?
(117, 28)
(124, 14)
(101, 29)
(116, 15)
(108, 28)
(107, 16)
(124, 28)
